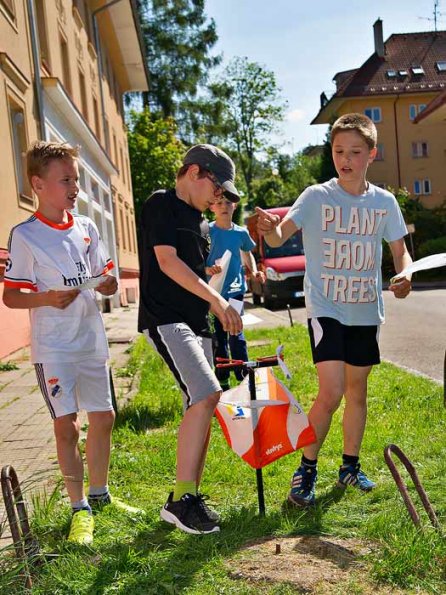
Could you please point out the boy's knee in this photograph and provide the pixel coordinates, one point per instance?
(330, 402)
(66, 430)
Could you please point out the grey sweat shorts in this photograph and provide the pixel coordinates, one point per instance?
(189, 357)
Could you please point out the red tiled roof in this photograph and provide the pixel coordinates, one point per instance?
(402, 51)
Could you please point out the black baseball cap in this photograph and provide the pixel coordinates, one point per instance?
(218, 163)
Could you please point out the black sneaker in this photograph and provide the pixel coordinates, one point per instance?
(189, 514)
(214, 516)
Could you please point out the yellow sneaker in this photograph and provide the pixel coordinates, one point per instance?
(81, 530)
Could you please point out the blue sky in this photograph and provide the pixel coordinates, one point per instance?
(305, 43)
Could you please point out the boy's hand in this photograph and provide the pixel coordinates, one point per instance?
(401, 287)
(266, 222)
(229, 318)
(61, 299)
(109, 286)
(260, 276)
(213, 270)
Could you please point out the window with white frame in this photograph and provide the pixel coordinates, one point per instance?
(415, 109)
(374, 113)
(20, 144)
(420, 149)
(422, 187)
(379, 152)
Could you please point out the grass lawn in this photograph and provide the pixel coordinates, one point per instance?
(145, 555)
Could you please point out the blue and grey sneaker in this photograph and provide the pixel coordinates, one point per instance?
(303, 486)
(351, 475)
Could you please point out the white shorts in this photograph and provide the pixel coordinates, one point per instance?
(69, 387)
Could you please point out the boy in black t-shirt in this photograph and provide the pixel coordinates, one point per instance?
(173, 314)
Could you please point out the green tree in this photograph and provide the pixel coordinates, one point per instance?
(327, 169)
(155, 155)
(178, 38)
(250, 107)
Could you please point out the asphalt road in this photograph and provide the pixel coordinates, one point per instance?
(414, 334)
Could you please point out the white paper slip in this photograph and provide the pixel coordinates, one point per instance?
(89, 284)
(236, 304)
(428, 262)
(216, 281)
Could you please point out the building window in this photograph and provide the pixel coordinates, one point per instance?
(441, 65)
(82, 178)
(84, 13)
(66, 76)
(9, 8)
(419, 149)
(414, 110)
(20, 145)
(115, 147)
(374, 113)
(379, 152)
(121, 221)
(422, 187)
(122, 166)
(107, 135)
(129, 235)
(83, 89)
(107, 202)
(42, 31)
(95, 192)
(96, 118)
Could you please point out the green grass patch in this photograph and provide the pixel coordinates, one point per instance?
(145, 555)
(8, 366)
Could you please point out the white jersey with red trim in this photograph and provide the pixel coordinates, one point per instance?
(44, 255)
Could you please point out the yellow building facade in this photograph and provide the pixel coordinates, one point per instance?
(404, 76)
(64, 66)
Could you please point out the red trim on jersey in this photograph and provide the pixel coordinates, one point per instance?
(60, 226)
(108, 267)
(20, 285)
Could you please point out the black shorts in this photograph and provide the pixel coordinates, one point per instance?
(332, 340)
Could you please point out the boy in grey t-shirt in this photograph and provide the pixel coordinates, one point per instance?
(343, 223)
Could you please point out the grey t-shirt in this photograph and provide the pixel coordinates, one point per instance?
(343, 248)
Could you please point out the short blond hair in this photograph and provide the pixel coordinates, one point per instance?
(360, 124)
(41, 153)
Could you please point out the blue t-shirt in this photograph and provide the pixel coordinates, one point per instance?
(343, 236)
(235, 239)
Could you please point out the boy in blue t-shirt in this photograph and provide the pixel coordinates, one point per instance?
(344, 222)
(226, 235)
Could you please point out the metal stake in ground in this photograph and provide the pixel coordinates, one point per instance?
(259, 476)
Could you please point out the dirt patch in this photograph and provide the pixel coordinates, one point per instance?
(311, 564)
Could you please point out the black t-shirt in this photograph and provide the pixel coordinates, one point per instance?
(167, 220)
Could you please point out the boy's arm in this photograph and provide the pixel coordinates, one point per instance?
(401, 260)
(15, 298)
(250, 263)
(276, 232)
(178, 271)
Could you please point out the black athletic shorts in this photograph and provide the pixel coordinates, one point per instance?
(332, 340)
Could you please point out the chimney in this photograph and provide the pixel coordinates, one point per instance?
(379, 40)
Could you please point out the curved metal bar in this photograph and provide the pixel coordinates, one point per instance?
(392, 448)
(26, 546)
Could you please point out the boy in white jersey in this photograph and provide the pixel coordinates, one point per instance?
(51, 254)
(343, 222)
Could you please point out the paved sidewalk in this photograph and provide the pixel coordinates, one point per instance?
(26, 429)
